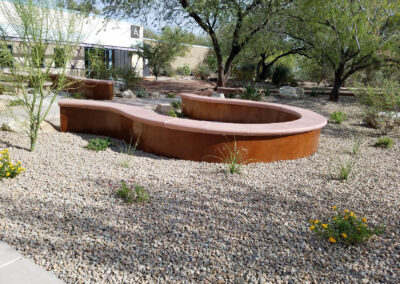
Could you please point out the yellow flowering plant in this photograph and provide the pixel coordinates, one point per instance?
(7, 168)
(345, 227)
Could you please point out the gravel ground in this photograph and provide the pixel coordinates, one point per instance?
(202, 224)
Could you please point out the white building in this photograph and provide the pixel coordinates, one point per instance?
(114, 39)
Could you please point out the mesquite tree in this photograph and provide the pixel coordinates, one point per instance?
(36, 63)
(346, 35)
(247, 18)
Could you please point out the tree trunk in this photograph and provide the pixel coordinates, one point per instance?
(221, 76)
(261, 76)
(334, 96)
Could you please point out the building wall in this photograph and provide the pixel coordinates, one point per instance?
(192, 58)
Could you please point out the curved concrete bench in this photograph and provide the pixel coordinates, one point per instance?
(92, 88)
(199, 140)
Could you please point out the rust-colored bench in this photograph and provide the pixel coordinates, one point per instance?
(268, 132)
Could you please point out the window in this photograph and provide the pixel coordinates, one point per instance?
(59, 58)
(6, 56)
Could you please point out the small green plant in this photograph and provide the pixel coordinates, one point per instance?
(250, 92)
(99, 144)
(184, 70)
(170, 96)
(267, 91)
(7, 168)
(233, 156)
(130, 148)
(202, 71)
(141, 92)
(384, 142)
(345, 170)
(176, 104)
(78, 96)
(132, 193)
(172, 113)
(15, 103)
(231, 95)
(125, 164)
(315, 91)
(356, 147)
(345, 228)
(338, 117)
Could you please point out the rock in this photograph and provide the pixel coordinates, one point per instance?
(218, 95)
(127, 94)
(288, 92)
(300, 92)
(117, 92)
(11, 126)
(47, 127)
(163, 109)
(155, 95)
(383, 120)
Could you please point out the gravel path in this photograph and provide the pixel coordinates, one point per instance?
(202, 224)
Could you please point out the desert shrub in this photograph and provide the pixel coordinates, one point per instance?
(167, 71)
(345, 169)
(132, 193)
(231, 95)
(245, 72)
(129, 77)
(356, 147)
(176, 104)
(345, 228)
(250, 92)
(184, 70)
(141, 92)
(78, 95)
(315, 91)
(202, 71)
(170, 96)
(282, 75)
(338, 117)
(99, 144)
(232, 156)
(384, 142)
(7, 168)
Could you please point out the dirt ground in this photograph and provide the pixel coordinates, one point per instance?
(172, 85)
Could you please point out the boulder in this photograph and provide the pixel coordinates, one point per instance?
(218, 95)
(387, 120)
(2, 106)
(11, 126)
(127, 94)
(300, 92)
(288, 92)
(155, 95)
(163, 109)
(117, 92)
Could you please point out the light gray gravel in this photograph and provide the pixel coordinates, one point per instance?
(202, 224)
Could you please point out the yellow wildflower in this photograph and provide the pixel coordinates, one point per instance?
(332, 240)
(334, 218)
(344, 235)
(8, 174)
(334, 207)
(312, 227)
(325, 226)
(346, 211)
(346, 217)
(316, 221)
(364, 220)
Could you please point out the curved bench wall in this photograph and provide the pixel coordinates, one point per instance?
(92, 88)
(182, 138)
(224, 110)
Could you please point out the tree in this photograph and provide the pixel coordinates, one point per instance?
(161, 52)
(346, 35)
(247, 19)
(40, 26)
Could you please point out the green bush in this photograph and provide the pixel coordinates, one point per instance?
(345, 170)
(244, 72)
(99, 144)
(141, 92)
(7, 168)
(338, 117)
(384, 142)
(170, 96)
(132, 193)
(345, 228)
(129, 77)
(172, 113)
(167, 71)
(282, 75)
(250, 92)
(184, 70)
(176, 104)
(78, 95)
(202, 71)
